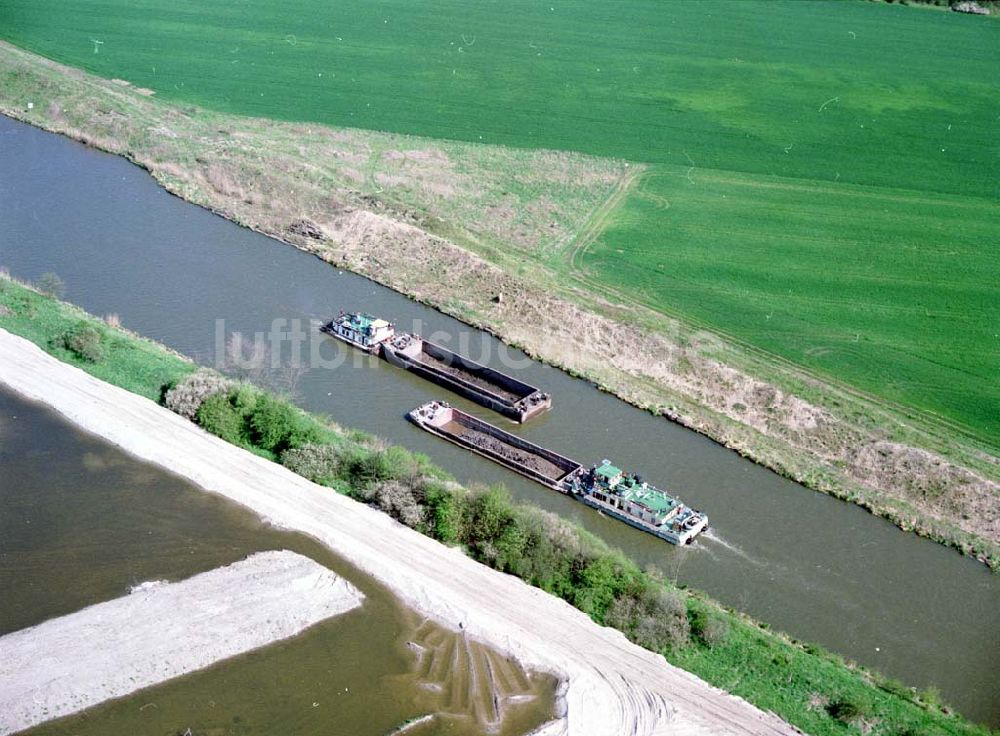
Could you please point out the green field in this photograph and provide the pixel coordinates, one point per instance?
(894, 291)
(730, 84)
(825, 176)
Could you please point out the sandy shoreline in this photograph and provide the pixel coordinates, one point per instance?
(612, 686)
(162, 631)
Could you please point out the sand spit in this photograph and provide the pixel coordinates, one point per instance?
(160, 631)
(611, 687)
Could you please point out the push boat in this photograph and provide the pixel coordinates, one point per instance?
(603, 487)
(486, 386)
(628, 498)
(363, 331)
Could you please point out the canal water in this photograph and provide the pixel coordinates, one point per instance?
(820, 569)
(81, 522)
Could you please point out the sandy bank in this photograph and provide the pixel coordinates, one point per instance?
(161, 631)
(613, 687)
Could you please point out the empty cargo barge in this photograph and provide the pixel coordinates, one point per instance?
(608, 489)
(484, 385)
(491, 388)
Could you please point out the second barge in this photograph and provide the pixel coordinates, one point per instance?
(543, 466)
(484, 385)
(604, 487)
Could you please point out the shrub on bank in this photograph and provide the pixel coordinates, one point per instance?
(85, 341)
(319, 463)
(249, 417)
(51, 285)
(401, 501)
(444, 512)
(185, 397)
(850, 709)
(218, 416)
(365, 468)
(707, 627)
(277, 426)
(655, 618)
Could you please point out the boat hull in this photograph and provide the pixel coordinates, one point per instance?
(329, 329)
(669, 535)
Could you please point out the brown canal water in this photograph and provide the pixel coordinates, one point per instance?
(81, 522)
(820, 569)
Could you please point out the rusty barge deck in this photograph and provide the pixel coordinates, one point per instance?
(541, 465)
(484, 385)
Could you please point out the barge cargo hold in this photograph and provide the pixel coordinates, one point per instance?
(484, 385)
(603, 487)
(543, 466)
(491, 388)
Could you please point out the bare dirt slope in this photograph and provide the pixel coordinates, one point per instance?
(613, 687)
(108, 650)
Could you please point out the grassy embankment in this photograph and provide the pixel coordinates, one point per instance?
(373, 198)
(815, 690)
(892, 291)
